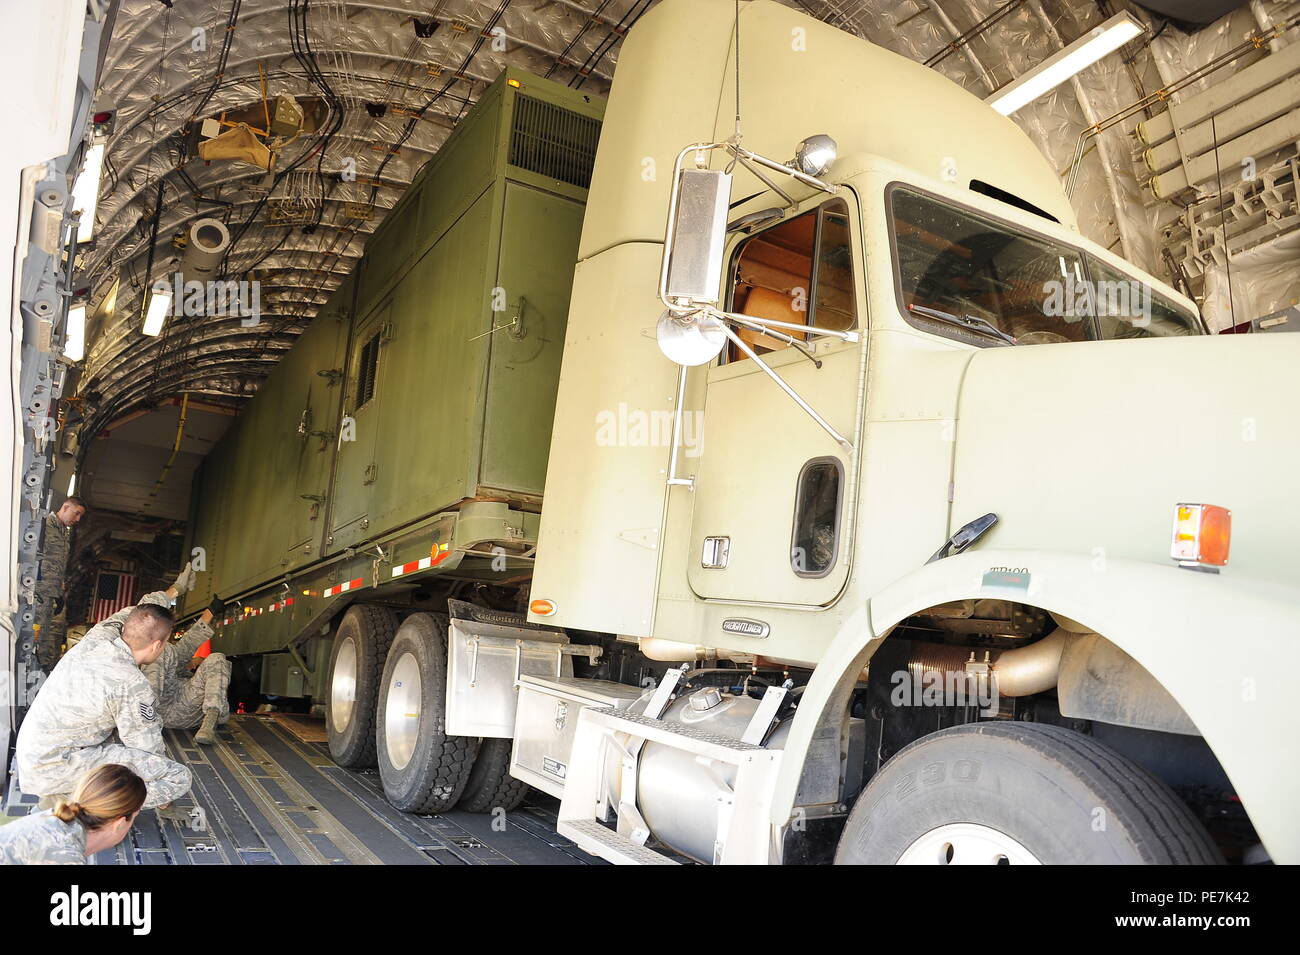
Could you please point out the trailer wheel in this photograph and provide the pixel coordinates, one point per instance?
(1019, 793)
(490, 785)
(422, 768)
(356, 661)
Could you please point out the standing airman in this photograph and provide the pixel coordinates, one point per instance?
(49, 592)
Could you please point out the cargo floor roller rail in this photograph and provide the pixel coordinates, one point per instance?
(802, 528)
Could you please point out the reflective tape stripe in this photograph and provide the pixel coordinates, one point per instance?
(410, 567)
(344, 587)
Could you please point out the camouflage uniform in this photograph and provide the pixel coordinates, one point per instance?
(49, 590)
(43, 839)
(181, 701)
(97, 707)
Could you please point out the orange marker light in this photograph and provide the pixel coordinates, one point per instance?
(1202, 533)
(515, 83)
(542, 608)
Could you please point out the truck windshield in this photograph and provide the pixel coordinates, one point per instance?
(975, 279)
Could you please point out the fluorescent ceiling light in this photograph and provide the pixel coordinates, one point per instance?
(85, 191)
(74, 344)
(155, 312)
(1075, 58)
(72, 485)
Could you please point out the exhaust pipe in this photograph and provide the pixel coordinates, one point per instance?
(1023, 671)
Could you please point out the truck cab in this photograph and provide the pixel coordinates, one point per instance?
(925, 435)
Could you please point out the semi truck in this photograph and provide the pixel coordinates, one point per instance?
(845, 507)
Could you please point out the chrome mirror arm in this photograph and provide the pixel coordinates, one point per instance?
(801, 347)
(736, 340)
(688, 482)
(773, 323)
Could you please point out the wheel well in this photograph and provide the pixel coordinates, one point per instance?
(938, 668)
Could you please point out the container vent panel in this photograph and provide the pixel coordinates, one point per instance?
(553, 142)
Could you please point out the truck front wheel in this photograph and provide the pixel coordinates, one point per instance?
(356, 661)
(422, 768)
(1016, 794)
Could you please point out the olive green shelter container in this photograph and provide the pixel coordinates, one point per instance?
(406, 433)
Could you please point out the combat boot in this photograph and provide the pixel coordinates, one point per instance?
(207, 733)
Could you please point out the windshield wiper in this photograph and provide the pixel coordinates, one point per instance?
(973, 322)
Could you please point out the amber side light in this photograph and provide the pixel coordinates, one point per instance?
(1202, 535)
(542, 608)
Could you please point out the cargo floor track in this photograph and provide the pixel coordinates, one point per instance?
(272, 796)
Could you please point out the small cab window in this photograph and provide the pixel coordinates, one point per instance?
(978, 280)
(815, 542)
(1126, 307)
(800, 272)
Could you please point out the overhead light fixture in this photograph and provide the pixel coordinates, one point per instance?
(74, 343)
(156, 309)
(72, 485)
(85, 191)
(1073, 59)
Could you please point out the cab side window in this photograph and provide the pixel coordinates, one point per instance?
(800, 272)
(1126, 308)
(814, 544)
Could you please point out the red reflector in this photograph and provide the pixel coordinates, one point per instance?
(101, 118)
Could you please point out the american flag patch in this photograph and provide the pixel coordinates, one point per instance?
(147, 712)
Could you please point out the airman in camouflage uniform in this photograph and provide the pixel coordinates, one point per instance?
(98, 816)
(42, 839)
(98, 707)
(55, 544)
(201, 700)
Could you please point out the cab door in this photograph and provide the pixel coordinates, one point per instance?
(772, 509)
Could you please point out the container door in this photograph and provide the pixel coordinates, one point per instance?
(356, 470)
(320, 387)
(771, 505)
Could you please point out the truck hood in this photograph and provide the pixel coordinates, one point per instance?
(1088, 446)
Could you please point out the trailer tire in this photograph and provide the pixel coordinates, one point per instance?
(356, 661)
(490, 785)
(423, 769)
(1007, 793)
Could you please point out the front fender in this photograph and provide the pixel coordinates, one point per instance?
(1226, 649)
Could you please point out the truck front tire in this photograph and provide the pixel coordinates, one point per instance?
(356, 662)
(422, 768)
(1016, 793)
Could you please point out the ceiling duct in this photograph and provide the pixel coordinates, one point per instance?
(208, 241)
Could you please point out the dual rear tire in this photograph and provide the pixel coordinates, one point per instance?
(388, 707)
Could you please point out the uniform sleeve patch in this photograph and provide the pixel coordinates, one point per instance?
(147, 713)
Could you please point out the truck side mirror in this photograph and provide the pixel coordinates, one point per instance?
(697, 236)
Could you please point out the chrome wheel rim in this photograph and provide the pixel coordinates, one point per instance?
(343, 685)
(966, 843)
(402, 711)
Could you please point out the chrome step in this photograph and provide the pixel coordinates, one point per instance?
(590, 836)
